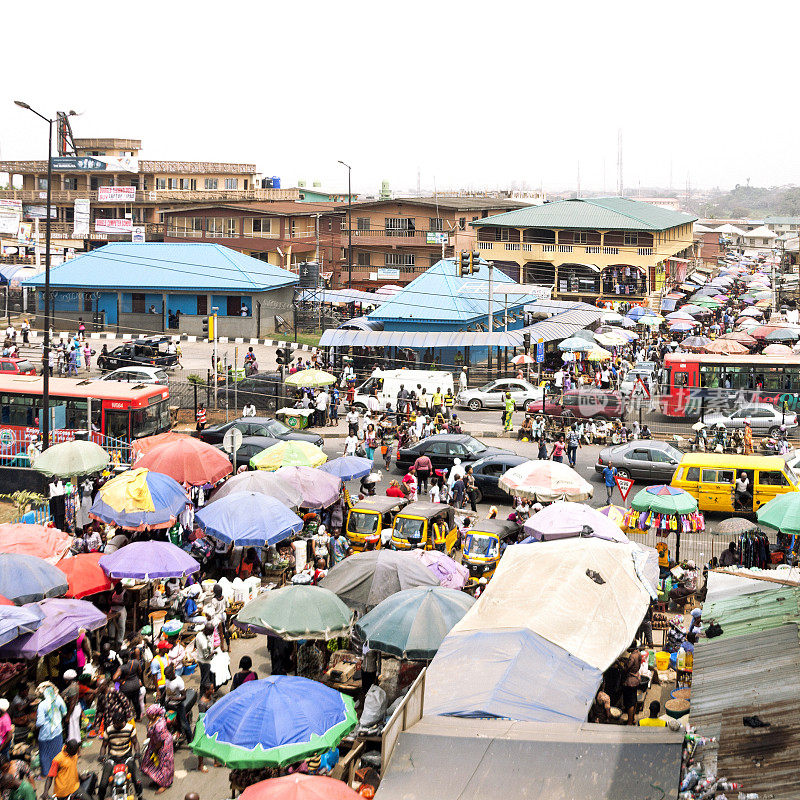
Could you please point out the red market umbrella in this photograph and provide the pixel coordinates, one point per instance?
(300, 786)
(4, 601)
(762, 330)
(188, 461)
(726, 347)
(740, 336)
(143, 446)
(84, 575)
(49, 544)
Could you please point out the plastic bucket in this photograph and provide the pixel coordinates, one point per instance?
(662, 660)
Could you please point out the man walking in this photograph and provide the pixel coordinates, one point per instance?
(573, 443)
(609, 473)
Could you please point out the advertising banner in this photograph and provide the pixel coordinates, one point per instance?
(80, 227)
(113, 226)
(116, 194)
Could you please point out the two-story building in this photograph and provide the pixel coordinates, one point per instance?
(281, 233)
(590, 249)
(124, 190)
(395, 241)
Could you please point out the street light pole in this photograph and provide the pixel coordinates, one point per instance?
(46, 348)
(349, 228)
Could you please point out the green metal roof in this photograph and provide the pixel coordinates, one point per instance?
(597, 213)
(750, 613)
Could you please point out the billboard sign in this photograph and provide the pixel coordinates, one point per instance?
(113, 226)
(116, 194)
(80, 228)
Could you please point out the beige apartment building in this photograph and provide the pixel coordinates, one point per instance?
(126, 189)
(396, 240)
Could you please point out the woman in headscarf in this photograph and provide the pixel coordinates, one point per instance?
(158, 759)
(49, 716)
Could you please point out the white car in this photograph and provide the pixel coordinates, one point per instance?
(630, 381)
(138, 375)
(493, 394)
(763, 419)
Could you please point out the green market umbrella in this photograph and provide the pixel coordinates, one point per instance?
(651, 322)
(781, 514)
(311, 378)
(288, 454)
(297, 612)
(412, 624)
(664, 500)
(72, 458)
(273, 722)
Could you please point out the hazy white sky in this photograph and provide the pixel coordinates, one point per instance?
(473, 94)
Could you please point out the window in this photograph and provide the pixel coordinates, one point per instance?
(211, 183)
(436, 224)
(580, 237)
(88, 301)
(693, 474)
(188, 183)
(502, 235)
(364, 259)
(161, 183)
(400, 226)
(234, 304)
(202, 304)
(640, 455)
(231, 227)
(262, 225)
(681, 379)
(660, 457)
(214, 226)
(462, 223)
(398, 259)
(772, 478)
(71, 184)
(41, 183)
(725, 476)
(137, 303)
(231, 183)
(362, 224)
(173, 183)
(709, 476)
(630, 239)
(436, 449)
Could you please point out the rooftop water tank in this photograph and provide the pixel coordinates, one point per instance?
(276, 182)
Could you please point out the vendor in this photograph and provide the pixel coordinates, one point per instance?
(526, 431)
(653, 720)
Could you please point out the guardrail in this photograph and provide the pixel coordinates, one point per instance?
(408, 713)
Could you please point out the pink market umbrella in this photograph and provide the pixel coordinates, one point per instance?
(450, 574)
(777, 350)
(726, 347)
(62, 623)
(740, 336)
(319, 489)
(563, 520)
(545, 482)
(49, 544)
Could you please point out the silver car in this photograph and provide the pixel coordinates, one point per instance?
(763, 418)
(493, 395)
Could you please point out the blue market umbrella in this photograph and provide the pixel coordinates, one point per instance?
(637, 312)
(26, 579)
(248, 519)
(14, 622)
(348, 467)
(140, 499)
(275, 721)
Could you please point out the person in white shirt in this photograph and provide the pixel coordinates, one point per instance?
(462, 380)
(350, 445)
(322, 408)
(373, 405)
(457, 471)
(352, 421)
(249, 410)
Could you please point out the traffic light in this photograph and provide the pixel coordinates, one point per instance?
(284, 356)
(526, 341)
(208, 327)
(463, 264)
(474, 261)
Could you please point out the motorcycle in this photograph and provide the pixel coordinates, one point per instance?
(121, 781)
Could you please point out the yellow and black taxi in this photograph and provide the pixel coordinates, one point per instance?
(425, 526)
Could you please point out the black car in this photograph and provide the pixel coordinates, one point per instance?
(262, 389)
(251, 445)
(644, 459)
(444, 448)
(151, 351)
(258, 426)
(489, 470)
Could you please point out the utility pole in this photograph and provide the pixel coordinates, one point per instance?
(491, 313)
(349, 228)
(214, 310)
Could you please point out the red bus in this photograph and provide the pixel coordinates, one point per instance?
(692, 382)
(109, 409)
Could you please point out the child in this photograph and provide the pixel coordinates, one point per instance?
(386, 452)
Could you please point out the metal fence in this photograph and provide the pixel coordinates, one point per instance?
(266, 395)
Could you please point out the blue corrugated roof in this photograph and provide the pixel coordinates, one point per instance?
(440, 295)
(157, 266)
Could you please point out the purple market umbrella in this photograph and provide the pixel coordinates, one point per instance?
(560, 520)
(62, 623)
(147, 560)
(319, 489)
(449, 573)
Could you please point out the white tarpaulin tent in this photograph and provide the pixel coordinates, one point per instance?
(556, 614)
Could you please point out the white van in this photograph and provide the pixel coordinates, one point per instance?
(387, 382)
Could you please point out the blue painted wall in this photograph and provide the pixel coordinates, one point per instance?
(185, 303)
(149, 300)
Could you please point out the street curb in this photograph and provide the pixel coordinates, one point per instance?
(183, 337)
(342, 434)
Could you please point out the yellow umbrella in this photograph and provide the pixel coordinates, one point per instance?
(598, 354)
(311, 378)
(288, 454)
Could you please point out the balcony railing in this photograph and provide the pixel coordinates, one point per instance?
(384, 235)
(64, 230)
(542, 248)
(153, 195)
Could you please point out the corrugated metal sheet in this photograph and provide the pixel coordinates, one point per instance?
(750, 613)
(609, 213)
(724, 584)
(740, 676)
(340, 296)
(450, 759)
